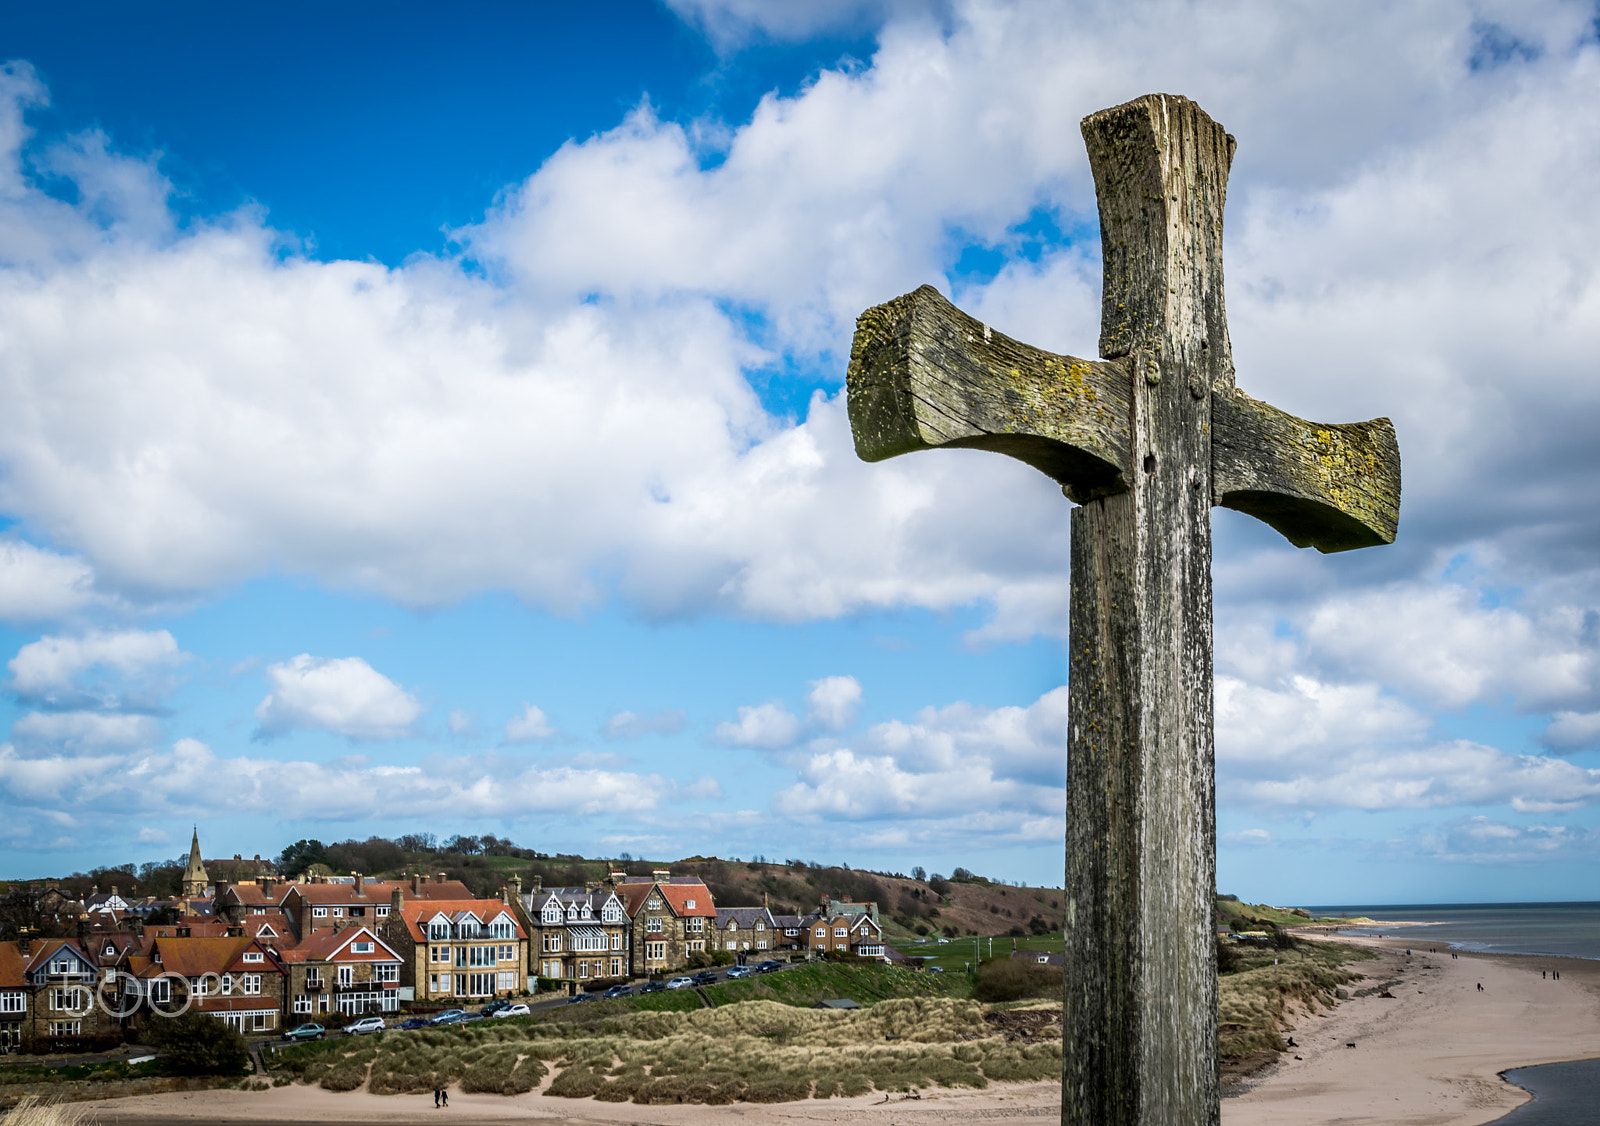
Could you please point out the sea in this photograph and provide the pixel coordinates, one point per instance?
(1564, 1094)
(1568, 930)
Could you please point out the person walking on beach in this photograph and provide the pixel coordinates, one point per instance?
(1480, 987)
(436, 1098)
(444, 1092)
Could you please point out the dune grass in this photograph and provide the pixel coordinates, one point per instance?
(760, 1051)
(1253, 1001)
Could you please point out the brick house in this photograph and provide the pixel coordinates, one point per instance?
(458, 950)
(349, 971)
(574, 932)
(670, 918)
(842, 925)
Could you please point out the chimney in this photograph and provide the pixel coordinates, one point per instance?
(258, 858)
(516, 886)
(113, 889)
(505, 894)
(397, 899)
(536, 884)
(24, 941)
(661, 875)
(616, 876)
(361, 883)
(416, 886)
(438, 877)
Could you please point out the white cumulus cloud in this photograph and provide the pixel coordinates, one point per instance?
(530, 725)
(344, 695)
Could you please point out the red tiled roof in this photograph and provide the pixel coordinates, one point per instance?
(12, 965)
(679, 896)
(380, 891)
(194, 956)
(486, 910)
(323, 945)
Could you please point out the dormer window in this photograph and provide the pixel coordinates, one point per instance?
(552, 915)
(254, 956)
(611, 914)
(688, 904)
(361, 947)
(572, 911)
(439, 928)
(587, 913)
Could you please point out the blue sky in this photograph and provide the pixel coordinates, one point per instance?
(433, 422)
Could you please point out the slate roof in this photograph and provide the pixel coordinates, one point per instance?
(745, 917)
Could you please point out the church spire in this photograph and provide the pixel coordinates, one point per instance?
(195, 878)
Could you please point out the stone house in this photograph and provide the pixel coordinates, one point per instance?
(742, 930)
(574, 932)
(47, 997)
(458, 950)
(669, 917)
(235, 978)
(326, 900)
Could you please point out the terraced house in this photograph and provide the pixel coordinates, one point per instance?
(574, 932)
(458, 950)
(349, 971)
(741, 930)
(670, 918)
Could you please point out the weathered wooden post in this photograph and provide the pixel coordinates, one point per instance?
(1146, 439)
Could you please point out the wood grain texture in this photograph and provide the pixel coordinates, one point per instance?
(924, 375)
(1330, 486)
(1140, 1021)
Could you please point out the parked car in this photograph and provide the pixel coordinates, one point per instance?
(495, 1006)
(468, 1018)
(739, 971)
(705, 977)
(364, 1026)
(517, 1010)
(652, 987)
(306, 1032)
(576, 997)
(681, 983)
(413, 1022)
(618, 991)
(936, 969)
(449, 1016)
(770, 966)
(944, 942)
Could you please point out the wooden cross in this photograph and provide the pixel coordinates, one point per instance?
(1145, 439)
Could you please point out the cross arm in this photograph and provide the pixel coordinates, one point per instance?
(925, 375)
(1332, 487)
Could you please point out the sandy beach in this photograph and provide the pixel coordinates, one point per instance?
(1430, 1055)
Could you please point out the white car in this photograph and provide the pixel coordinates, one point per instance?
(365, 1025)
(681, 983)
(517, 1010)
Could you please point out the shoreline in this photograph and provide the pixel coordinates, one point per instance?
(1433, 1053)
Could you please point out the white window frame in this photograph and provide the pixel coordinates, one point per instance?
(254, 956)
(362, 947)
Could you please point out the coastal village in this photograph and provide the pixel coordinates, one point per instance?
(262, 953)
